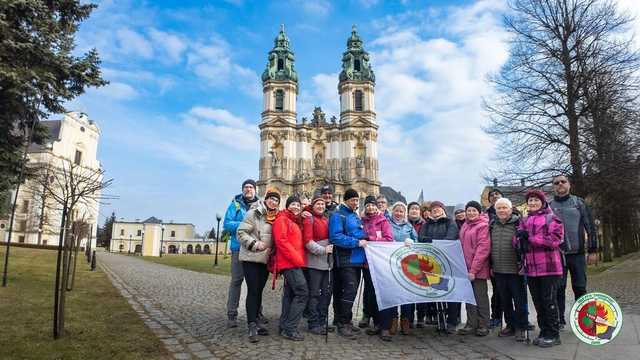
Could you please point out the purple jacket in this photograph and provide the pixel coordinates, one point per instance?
(375, 225)
(476, 246)
(546, 233)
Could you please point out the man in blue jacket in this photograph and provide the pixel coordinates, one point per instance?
(347, 235)
(232, 218)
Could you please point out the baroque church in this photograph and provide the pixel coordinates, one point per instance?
(299, 157)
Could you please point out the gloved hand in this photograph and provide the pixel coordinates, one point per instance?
(408, 242)
(523, 240)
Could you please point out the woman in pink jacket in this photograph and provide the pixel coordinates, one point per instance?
(476, 247)
(538, 238)
(377, 228)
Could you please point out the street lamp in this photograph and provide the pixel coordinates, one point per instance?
(161, 238)
(218, 217)
(130, 243)
(141, 241)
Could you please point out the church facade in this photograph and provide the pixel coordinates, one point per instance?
(298, 157)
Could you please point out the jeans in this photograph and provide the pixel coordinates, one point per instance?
(349, 281)
(235, 286)
(496, 307)
(294, 299)
(577, 266)
(478, 315)
(319, 296)
(543, 292)
(513, 299)
(256, 275)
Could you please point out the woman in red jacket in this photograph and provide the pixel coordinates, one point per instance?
(289, 261)
(476, 247)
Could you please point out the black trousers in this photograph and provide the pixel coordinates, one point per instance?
(426, 309)
(349, 281)
(256, 275)
(319, 296)
(294, 299)
(543, 292)
(496, 309)
(336, 291)
(367, 297)
(381, 318)
(577, 266)
(512, 293)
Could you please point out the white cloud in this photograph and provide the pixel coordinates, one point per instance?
(222, 127)
(131, 42)
(323, 92)
(172, 45)
(118, 91)
(319, 8)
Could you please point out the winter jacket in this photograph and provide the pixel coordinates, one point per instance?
(476, 246)
(330, 208)
(545, 234)
(417, 224)
(377, 228)
(236, 212)
(504, 259)
(252, 229)
(315, 235)
(577, 220)
(438, 229)
(402, 230)
(345, 231)
(287, 237)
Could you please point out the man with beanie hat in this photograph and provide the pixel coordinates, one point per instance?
(496, 310)
(327, 194)
(233, 217)
(346, 233)
(367, 312)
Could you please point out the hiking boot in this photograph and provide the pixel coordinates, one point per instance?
(521, 335)
(293, 335)
(262, 330)
(394, 327)
(494, 323)
(354, 329)
(482, 332)
(405, 328)
(373, 331)
(232, 323)
(549, 342)
(262, 319)
(561, 326)
(507, 331)
(537, 340)
(530, 326)
(364, 323)
(346, 331)
(466, 330)
(331, 328)
(253, 332)
(451, 328)
(318, 330)
(385, 335)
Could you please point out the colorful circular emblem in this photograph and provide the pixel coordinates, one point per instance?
(422, 269)
(596, 318)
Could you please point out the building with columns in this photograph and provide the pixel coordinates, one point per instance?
(299, 156)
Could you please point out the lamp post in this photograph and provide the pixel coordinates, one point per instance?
(141, 241)
(218, 217)
(161, 238)
(129, 243)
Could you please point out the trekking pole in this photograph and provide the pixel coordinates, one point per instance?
(359, 295)
(326, 329)
(526, 299)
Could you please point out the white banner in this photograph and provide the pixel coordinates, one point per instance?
(419, 273)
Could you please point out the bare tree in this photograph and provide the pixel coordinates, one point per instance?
(70, 186)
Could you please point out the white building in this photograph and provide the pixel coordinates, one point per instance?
(72, 140)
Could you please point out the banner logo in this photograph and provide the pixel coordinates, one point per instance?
(596, 318)
(423, 270)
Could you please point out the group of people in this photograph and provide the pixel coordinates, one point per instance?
(317, 246)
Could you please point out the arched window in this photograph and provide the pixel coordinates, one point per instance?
(279, 100)
(280, 64)
(358, 100)
(356, 65)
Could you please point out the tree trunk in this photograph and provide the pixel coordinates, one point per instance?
(57, 331)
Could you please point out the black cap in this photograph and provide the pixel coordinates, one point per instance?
(473, 204)
(291, 199)
(326, 190)
(350, 194)
(370, 200)
(250, 182)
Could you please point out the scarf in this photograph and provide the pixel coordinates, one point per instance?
(270, 215)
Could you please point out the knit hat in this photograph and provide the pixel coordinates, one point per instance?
(413, 203)
(458, 211)
(291, 199)
(350, 194)
(250, 182)
(370, 199)
(536, 193)
(437, 204)
(272, 192)
(326, 190)
(473, 204)
(494, 190)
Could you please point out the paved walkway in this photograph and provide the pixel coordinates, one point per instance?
(186, 310)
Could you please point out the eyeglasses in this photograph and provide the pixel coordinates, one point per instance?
(558, 182)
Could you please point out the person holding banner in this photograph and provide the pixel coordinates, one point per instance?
(476, 248)
(315, 234)
(290, 260)
(347, 234)
(539, 237)
(403, 231)
(377, 228)
(414, 216)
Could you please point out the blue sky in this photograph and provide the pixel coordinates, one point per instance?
(179, 118)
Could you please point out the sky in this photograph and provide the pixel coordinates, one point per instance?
(179, 119)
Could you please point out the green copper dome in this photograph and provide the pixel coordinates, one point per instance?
(355, 61)
(281, 60)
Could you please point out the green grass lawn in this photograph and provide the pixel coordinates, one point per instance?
(602, 266)
(99, 323)
(194, 262)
